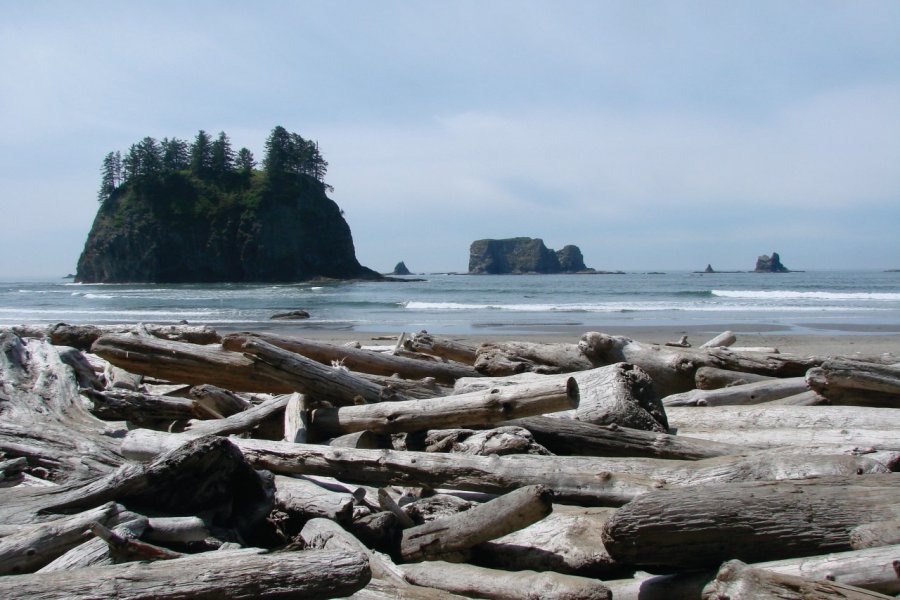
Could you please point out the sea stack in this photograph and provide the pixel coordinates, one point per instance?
(770, 264)
(523, 255)
(401, 269)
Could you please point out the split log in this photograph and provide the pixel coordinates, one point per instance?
(711, 378)
(857, 383)
(480, 582)
(83, 336)
(618, 394)
(873, 535)
(364, 361)
(441, 347)
(484, 522)
(699, 527)
(570, 479)
(566, 541)
(775, 417)
(240, 422)
(140, 408)
(182, 362)
(509, 358)
(726, 338)
(473, 409)
(221, 402)
(738, 581)
(750, 393)
(570, 437)
(235, 574)
(305, 499)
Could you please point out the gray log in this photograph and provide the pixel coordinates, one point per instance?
(873, 535)
(222, 402)
(749, 393)
(247, 574)
(138, 407)
(441, 347)
(857, 383)
(775, 417)
(726, 338)
(509, 358)
(484, 522)
(305, 499)
(711, 378)
(82, 336)
(700, 527)
(296, 419)
(95, 551)
(240, 422)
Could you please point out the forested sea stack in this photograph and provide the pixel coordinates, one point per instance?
(175, 212)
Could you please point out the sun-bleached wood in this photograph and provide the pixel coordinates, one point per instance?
(711, 378)
(857, 383)
(749, 393)
(726, 338)
(442, 347)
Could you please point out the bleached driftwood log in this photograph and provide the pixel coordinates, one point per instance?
(750, 393)
(95, 551)
(235, 574)
(221, 402)
(857, 383)
(462, 410)
(738, 581)
(296, 419)
(364, 361)
(618, 394)
(82, 336)
(480, 582)
(141, 408)
(699, 527)
(712, 378)
(484, 522)
(306, 499)
(500, 440)
(774, 417)
(509, 358)
(726, 338)
(240, 422)
(442, 347)
(873, 535)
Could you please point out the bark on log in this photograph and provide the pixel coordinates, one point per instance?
(473, 409)
(484, 522)
(480, 582)
(750, 393)
(726, 338)
(617, 394)
(700, 527)
(364, 361)
(241, 574)
(570, 437)
(711, 378)
(857, 383)
(509, 358)
(83, 336)
(738, 581)
(182, 362)
(873, 535)
(442, 347)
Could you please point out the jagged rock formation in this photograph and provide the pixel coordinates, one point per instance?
(522, 255)
(767, 264)
(709, 269)
(173, 233)
(401, 269)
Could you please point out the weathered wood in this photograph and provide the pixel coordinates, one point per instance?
(571, 437)
(711, 378)
(807, 398)
(361, 439)
(615, 394)
(473, 409)
(749, 393)
(95, 551)
(442, 347)
(240, 422)
(364, 361)
(305, 500)
(236, 574)
(480, 582)
(873, 535)
(221, 402)
(128, 548)
(140, 408)
(813, 440)
(858, 383)
(503, 440)
(509, 358)
(165, 530)
(726, 338)
(296, 419)
(699, 527)
(738, 581)
(83, 336)
(182, 362)
(775, 417)
(484, 522)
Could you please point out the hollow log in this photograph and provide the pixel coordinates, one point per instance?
(749, 393)
(83, 336)
(857, 383)
(441, 347)
(484, 522)
(873, 535)
(305, 499)
(480, 582)
(615, 394)
(473, 409)
(738, 581)
(571, 437)
(236, 574)
(364, 361)
(699, 527)
(726, 338)
(711, 378)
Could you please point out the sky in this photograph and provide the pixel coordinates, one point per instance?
(652, 134)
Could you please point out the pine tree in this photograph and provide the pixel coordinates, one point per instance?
(277, 161)
(175, 155)
(221, 156)
(201, 154)
(109, 179)
(245, 162)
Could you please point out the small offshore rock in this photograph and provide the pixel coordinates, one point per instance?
(292, 315)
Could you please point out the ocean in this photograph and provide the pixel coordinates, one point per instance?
(825, 302)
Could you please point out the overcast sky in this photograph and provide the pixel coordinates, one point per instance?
(653, 135)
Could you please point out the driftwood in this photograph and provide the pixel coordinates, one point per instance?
(296, 419)
(487, 521)
(711, 378)
(699, 527)
(140, 408)
(176, 529)
(241, 574)
(726, 338)
(223, 403)
(775, 417)
(95, 551)
(442, 347)
(305, 499)
(480, 582)
(509, 358)
(750, 393)
(857, 383)
(82, 336)
(364, 361)
(615, 394)
(475, 408)
(738, 581)
(502, 440)
(807, 398)
(240, 422)
(873, 535)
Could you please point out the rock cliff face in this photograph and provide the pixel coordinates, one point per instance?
(767, 264)
(522, 255)
(170, 234)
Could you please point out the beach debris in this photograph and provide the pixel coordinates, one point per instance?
(681, 343)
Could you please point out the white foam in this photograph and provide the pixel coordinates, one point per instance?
(796, 295)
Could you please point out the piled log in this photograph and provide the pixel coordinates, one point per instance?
(269, 466)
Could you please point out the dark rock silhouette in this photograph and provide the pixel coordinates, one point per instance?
(770, 264)
(522, 255)
(401, 269)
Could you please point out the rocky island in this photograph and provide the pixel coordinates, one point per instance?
(523, 255)
(770, 264)
(171, 212)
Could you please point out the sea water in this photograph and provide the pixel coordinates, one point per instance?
(803, 302)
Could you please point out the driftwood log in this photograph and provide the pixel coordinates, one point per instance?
(749, 393)
(700, 527)
(857, 383)
(82, 336)
(712, 378)
(776, 417)
(449, 349)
